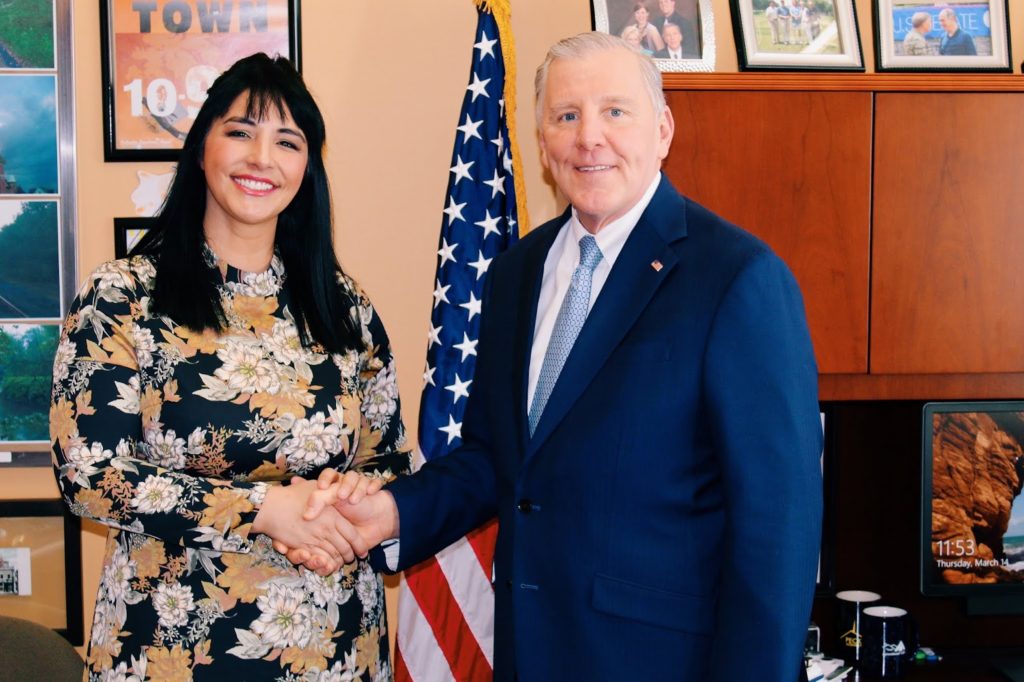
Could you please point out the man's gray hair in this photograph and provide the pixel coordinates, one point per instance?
(917, 21)
(948, 13)
(584, 44)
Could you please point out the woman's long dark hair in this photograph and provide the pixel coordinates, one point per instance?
(186, 286)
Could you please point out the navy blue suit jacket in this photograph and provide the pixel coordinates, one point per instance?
(664, 520)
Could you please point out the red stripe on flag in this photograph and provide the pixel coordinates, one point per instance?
(482, 541)
(401, 672)
(429, 586)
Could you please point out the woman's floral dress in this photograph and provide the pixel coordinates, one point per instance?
(171, 437)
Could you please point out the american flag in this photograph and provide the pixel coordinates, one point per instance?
(446, 604)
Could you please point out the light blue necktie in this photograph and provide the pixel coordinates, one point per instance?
(571, 317)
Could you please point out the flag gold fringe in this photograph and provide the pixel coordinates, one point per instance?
(502, 11)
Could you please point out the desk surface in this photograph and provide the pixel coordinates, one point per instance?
(954, 667)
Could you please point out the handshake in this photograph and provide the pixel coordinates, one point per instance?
(328, 522)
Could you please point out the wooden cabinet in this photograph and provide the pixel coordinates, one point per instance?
(948, 250)
(897, 201)
(794, 168)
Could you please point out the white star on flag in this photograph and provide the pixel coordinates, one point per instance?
(428, 376)
(434, 336)
(446, 252)
(461, 170)
(472, 305)
(454, 211)
(497, 184)
(454, 429)
(441, 293)
(481, 264)
(460, 389)
(470, 129)
(485, 46)
(489, 224)
(467, 347)
(478, 87)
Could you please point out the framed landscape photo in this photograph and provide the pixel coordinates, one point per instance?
(158, 60)
(40, 565)
(805, 35)
(26, 365)
(26, 34)
(127, 233)
(678, 34)
(30, 277)
(28, 133)
(951, 35)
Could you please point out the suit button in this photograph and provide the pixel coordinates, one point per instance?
(525, 506)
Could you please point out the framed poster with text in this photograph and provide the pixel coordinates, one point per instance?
(160, 57)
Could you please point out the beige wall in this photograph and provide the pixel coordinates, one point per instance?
(390, 121)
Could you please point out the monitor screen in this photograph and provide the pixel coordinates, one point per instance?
(973, 511)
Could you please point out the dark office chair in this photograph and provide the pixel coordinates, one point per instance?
(33, 652)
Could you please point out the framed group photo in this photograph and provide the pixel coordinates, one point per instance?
(158, 63)
(805, 35)
(945, 35)
(678, 34)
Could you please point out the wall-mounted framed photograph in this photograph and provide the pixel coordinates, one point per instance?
(678, 34)
(949, 35)
(40, 565)
(26, 366)
(30, 277)
(801, 35)
(26, 34)
(128, 232)
(158, 60)
(28, 133)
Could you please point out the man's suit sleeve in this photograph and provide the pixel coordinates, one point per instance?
(761, 399)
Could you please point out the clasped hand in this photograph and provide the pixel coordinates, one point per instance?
(325, 523)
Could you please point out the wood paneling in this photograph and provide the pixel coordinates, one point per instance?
(793, 168)
(948, 250)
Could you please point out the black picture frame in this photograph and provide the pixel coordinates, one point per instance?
(162, 133)
(998, 60)
(22, 512)
(754, 56)
(125, 236)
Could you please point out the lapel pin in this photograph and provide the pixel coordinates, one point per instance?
(656, 264)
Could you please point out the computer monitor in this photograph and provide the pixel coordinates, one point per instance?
(973, 511)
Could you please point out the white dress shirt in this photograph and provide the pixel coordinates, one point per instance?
(561, 262)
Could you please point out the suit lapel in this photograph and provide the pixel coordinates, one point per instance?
(634, 279)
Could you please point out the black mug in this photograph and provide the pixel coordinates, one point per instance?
(848, 629)
(888, 641)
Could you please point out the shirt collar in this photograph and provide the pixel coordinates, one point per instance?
(612, 237)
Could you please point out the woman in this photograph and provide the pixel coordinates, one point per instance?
(227, 354)
(650, 39)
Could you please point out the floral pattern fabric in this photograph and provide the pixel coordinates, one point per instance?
(171, 437)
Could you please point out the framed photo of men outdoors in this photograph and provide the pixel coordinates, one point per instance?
(678, 34)
(942, 35)
(776, 35)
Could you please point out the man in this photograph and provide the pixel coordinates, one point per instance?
(956, 41)
(914, 43)
(659, 502)
(772, 15)
(673, 38)
(668, 15)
